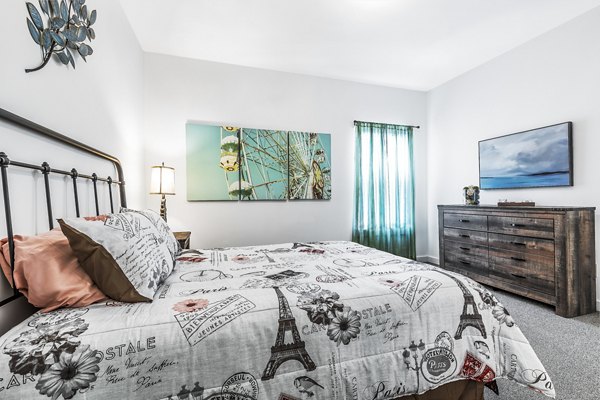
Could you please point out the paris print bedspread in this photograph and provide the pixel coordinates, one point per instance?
(326, 320)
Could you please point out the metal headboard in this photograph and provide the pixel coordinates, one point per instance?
(46, 170)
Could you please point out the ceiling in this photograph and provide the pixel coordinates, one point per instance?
(413, 44)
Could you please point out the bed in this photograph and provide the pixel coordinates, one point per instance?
(318, 320)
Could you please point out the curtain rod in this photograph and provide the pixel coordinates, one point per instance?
(383, 123)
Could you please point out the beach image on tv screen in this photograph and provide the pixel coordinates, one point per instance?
(536, 158)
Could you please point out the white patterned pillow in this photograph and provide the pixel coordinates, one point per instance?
(123, 253)
(166, 235)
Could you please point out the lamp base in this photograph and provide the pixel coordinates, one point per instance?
(163, 207)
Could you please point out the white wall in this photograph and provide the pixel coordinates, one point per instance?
(552, 79)
(178, 90)
(100, 104)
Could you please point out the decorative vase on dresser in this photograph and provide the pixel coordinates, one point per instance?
(543, 253)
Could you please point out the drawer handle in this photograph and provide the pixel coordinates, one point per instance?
(466, 221)
(465, 248)
(518, 243)
(519, 276)
(464, 262)
(518, 259)
(517, 225)
(462, 235)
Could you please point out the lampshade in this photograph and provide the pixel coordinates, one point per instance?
(162, 180)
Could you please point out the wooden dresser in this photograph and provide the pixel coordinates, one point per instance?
(543, 253)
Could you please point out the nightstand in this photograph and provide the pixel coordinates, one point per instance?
(183, 238)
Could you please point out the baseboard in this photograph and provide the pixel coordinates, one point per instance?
(429, 259)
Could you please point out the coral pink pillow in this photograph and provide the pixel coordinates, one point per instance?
(47, 272)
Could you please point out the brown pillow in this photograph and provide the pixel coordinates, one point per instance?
(47, 272)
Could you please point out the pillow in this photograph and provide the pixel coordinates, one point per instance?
(166, 236)
(122, 253)
(47, 272)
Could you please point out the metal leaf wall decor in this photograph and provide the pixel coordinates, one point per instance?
(60, 29)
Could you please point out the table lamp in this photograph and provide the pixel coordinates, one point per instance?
(162, 181)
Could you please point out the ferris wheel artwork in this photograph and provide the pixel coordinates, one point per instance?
(232, 163)
(309, 166)
(264, 161)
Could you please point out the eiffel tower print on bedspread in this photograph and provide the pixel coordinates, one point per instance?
(470, 315)
(281, 351)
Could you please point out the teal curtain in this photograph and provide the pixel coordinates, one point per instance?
(384, 203)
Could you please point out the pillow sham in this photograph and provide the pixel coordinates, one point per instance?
(166, 236)
(47, 272)
(122, 253)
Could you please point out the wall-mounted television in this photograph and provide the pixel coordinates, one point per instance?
(540, 157)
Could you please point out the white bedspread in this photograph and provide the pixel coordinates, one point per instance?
(332, 320)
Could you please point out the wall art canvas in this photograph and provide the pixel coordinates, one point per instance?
(232, 163)
(264, 164)
(537, 158)
(213, 162)
(310, 166)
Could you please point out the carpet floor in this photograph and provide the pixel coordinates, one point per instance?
(569, 348)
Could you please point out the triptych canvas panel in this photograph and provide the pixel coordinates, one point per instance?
(231, 163)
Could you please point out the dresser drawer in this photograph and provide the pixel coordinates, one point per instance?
(475, 274)
(534, 227)
(466, 236)
(466, 221)
(522, 264)
(541, 247)
(467, 249)
(474, 261)
(525, 278)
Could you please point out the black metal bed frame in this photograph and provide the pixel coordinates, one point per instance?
(46, 170)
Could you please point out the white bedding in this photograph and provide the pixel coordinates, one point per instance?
(332, 320)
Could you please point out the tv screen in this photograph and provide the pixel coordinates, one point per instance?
(540, 157)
